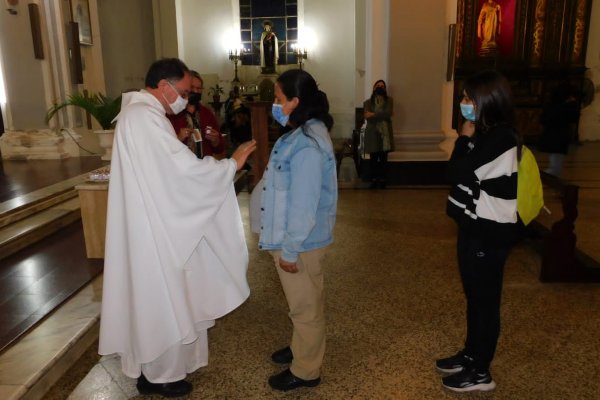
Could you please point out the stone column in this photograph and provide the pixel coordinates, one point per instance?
(376, 43)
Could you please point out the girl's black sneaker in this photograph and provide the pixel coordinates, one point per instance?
(456, 363)
(469, 380)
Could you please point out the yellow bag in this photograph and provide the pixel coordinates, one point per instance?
(530, 193)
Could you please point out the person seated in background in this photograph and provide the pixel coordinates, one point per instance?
(234, 97)
(196, 116)
(237, 119)
(241, 130)
(559, 120)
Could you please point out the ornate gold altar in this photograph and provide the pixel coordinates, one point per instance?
(537, 44)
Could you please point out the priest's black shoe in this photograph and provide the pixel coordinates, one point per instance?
(283, 356)
(171, 389)
(287, 381)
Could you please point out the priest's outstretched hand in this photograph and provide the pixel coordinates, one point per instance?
(240, 155)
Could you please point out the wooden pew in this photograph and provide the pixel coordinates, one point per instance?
(561, 260)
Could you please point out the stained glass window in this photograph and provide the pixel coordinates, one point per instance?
(283, 16)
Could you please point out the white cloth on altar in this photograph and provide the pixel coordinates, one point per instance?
(176, 256)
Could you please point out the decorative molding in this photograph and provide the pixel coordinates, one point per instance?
(538, 32)
(460, 28)
(451, 52)
(579, 32)
(74, 53)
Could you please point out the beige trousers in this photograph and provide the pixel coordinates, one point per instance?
(304, 293)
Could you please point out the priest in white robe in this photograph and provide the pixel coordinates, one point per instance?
(176, 256)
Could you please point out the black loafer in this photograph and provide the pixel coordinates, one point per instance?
(283, 356)
(287, 381)
(171, 389)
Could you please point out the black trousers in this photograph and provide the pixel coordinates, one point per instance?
(378, 165)
(481, 270)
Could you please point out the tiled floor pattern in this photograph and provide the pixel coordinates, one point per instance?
(394, 304)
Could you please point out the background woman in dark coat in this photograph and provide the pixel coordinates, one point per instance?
(379, 135)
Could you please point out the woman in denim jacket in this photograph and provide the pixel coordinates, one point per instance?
(298, 207)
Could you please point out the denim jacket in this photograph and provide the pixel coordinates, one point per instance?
(299, 196)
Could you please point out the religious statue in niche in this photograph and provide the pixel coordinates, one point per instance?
(488, 27)
(269, 49)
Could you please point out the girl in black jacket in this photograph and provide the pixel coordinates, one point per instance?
(483, 202)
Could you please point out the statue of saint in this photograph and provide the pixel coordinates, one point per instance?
(269, 49)
(488, 26)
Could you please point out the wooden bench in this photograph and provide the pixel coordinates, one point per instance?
(562, 261)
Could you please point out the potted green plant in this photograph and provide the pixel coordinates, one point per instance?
(216, 92)
(102, 108)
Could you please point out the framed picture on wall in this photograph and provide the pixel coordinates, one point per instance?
(492, 32)
(81, 15)
(495, 27)
(281, 17)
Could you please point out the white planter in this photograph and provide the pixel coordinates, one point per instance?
(106, 142)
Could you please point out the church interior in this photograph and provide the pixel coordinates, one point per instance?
(394, 300)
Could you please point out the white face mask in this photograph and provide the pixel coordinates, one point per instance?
(179, 104)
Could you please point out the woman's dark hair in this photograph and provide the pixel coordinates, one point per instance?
(375, 94)
(491, 94)
(171, 69)
(312, 103)
(378, 82)
(490, 91)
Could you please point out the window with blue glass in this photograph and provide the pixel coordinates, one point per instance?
(281, 17)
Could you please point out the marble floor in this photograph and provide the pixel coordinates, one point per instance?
(394, 305)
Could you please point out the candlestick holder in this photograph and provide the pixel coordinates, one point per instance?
(301, 54)
(235, 55)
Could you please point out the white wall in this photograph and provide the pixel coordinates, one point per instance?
(417, 64)
(360, 34)
(23, 74)
(332, 60)
(207, 28)
(165, 28)
(127, 33)
(204, 47)
(377, 44)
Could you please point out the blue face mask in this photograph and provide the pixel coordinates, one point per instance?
(468, 111)
(277, 111)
